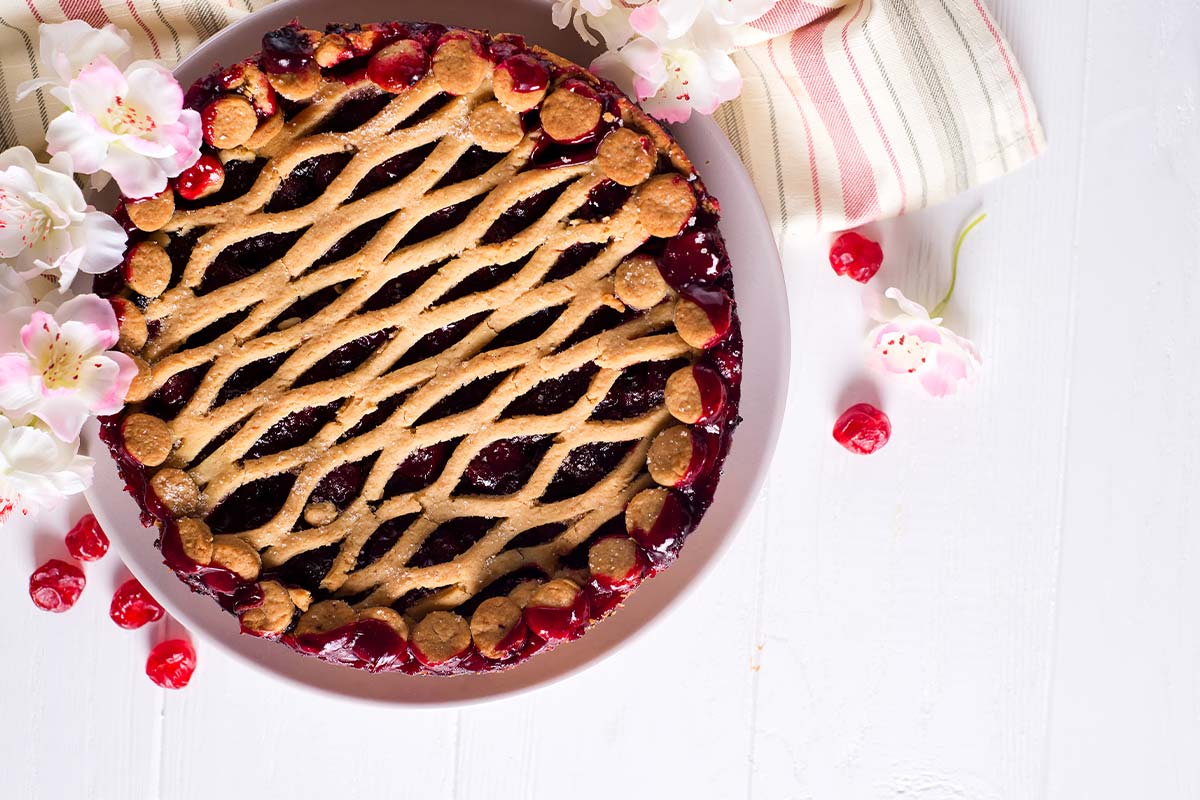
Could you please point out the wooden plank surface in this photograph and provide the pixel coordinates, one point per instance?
(1003, 603)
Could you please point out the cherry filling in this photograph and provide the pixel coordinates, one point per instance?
(419, 470)
(603, 200)
(366, 644)
(527, 73)
(391, 171)
(307, 181)
(379, 543)
(554, 395)
(694, 256)
(451, 539)
(584, 467)
(712, 391)
(637, 391)
(243, 259)
(504, 466)
(666, 534)
(286, 50)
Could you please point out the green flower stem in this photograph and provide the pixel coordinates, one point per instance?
(945, 301)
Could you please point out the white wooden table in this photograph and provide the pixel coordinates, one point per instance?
(1003, 603)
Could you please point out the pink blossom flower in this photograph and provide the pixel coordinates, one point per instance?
(37, 469)
(130, 124)
(62, 370)
(917, 347)
(45, 225)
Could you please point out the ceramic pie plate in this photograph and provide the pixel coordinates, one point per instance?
(762, 304)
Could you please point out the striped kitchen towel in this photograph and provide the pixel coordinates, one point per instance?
(852, 110)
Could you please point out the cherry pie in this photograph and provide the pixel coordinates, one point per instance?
(438, 356)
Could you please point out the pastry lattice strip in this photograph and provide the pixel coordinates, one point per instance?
(269, 292)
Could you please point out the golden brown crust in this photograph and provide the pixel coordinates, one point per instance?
(230, 121)
(176, 489)
(523, 591)
(453, 128)
(670, 456)
(267, 130)
(441, 636)
(682, 396)
(568, 115)
(558, 593)
(196, 540)
(613, 559)
(147, 438)
(502, 86)
(388, 616)
(693, 324)
(132, 333)
(492, 622)
(327, 615)
(495, 128)
(142, 385)
(233, 553)
(301, 598)
(458, 65)
(627, 157)
(639, 284)
(666, 203)
(321, 513)
(148, 269)
(644, 509)
(300, 85)
(274, 615)
(151, 213)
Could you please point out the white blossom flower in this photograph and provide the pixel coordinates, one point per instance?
(65, 48)
(37, 469)
(672, 55)
(45, 225)
(130, 124)
(62, 371)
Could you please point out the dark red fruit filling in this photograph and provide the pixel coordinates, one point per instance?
(695, 256)
(666, 534)
(716, 304)
(396, 70)
(199, 179)
(712, 391)
(528, 73)
(366, 644)
(862, 428)
(86, 541)
(286, 50)
(503, 467)
(132, 606)
(855, 257)
(171, 663)
(56, 585)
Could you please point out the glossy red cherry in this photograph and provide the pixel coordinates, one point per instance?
(56, 585)
(132, 606)
(201, 179)
(398, 66)
(855, 257)
(86, 541)
(171, 663)
(862, 428)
